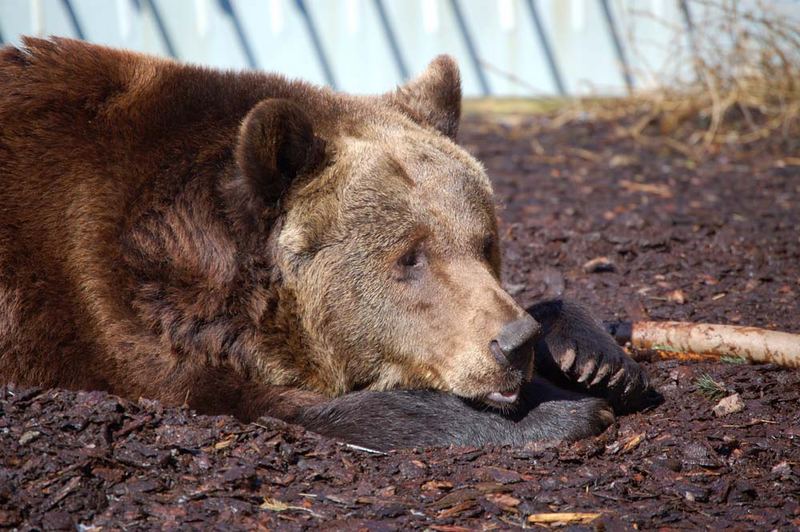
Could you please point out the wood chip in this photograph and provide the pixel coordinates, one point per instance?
(29, 436)
(503, 500)
(68, 488)
(598, 265)
(449, 528)
(632, 442)
(620, 160)
(646, 188)
(227, 442)
(432, 485)
(455, 510)
(274, 505)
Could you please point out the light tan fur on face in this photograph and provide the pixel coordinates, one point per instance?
(393, 187)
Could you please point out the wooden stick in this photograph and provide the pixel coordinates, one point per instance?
(564, 517)
(702, 340)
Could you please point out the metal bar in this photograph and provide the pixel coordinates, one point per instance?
(73, 19)
(244, 43)
(690, 32)
(471, 49)
(162, 29)
(544, 42)
(391, 38)
(618, 49)
(317, 43)
(687, 15)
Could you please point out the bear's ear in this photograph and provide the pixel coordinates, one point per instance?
(276, 143)
(433, 98)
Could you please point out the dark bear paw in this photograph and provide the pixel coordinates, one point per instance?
(577, 351)
(558, 414)
(602, 368)
(590, 416)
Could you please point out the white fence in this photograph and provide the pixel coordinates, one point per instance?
(504, 47)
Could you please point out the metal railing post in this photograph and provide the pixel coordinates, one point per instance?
(617, 42)
(471, 48)
(544, 42)
(244, 43)
(317, 43)
(391, 38)
(73, 19)
(689, 23)
(162, 29)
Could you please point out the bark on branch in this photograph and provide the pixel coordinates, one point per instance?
(701, 340)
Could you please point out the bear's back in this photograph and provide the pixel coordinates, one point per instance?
(86, 130)
(90, 138)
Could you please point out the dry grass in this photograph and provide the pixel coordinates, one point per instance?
(743, 87)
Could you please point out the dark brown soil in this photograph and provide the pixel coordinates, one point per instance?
(711, 239)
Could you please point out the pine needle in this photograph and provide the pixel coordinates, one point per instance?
(710, 388)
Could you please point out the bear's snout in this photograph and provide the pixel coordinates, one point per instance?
(511, 347)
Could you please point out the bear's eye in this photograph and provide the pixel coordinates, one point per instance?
(410, 265)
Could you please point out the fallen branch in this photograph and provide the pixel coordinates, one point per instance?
(692, 341)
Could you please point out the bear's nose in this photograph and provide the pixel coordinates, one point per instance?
(511, 348)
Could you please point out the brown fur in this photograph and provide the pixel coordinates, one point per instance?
(238, 239)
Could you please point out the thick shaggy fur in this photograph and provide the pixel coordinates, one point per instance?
(250, 245)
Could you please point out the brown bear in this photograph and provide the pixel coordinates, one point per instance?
(250, 245)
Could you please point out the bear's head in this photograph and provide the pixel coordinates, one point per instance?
(385, 238)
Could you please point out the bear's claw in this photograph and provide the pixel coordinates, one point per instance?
(576, 351)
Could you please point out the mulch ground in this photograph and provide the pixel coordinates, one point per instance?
(712, 238)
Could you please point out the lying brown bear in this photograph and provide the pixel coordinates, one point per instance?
(257, 246)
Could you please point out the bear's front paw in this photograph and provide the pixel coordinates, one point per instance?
(603, 369)
(587, 357)
(590, 417)
(559, 414)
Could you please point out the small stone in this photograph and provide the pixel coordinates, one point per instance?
(29, 436)
(783, 469)
(729, 405)
(699, 454)
(692, 493)
(677, 296)
(515, 289)
(598, 265)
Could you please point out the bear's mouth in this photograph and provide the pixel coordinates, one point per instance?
(505, 397)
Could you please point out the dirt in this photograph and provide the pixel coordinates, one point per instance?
(634, 232)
